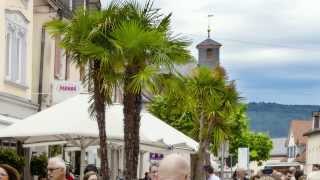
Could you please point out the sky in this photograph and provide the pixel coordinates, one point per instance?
(270, 47)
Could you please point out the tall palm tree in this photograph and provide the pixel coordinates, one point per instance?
(147, 48)
(86, 38)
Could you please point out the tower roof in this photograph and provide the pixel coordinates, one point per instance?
(208, 43)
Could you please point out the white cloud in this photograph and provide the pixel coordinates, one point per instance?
(257, 35)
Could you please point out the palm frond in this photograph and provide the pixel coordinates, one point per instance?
(143, 78)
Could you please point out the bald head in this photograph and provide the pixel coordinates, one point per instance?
(174, 167)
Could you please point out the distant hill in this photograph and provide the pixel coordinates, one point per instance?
(274, 118)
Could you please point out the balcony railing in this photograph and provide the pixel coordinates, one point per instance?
(65, 7)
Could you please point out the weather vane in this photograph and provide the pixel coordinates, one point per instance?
(209, 29)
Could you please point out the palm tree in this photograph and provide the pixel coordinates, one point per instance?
(215, 100)
(147, 48)
(86, 38)
(212, 101)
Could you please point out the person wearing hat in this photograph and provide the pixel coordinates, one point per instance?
(8, 173)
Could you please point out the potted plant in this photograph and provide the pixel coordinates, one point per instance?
(10, 157)
(38, 165)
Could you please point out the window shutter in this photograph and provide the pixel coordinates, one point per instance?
(23, 75)
(14, 58)
(8, 53)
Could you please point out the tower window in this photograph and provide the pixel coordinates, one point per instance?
(209, 53)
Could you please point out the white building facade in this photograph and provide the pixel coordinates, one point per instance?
(313, 144)
(16, 38)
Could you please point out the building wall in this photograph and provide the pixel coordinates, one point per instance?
(55, 66)
(27, 11)
(42, 14)
(15, 99)
(313, 152)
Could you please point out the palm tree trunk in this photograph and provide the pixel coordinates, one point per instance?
(100, 105)
(132, 107)
(201, 161)
(200, 174)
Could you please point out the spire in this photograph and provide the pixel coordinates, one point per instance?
(209, 29)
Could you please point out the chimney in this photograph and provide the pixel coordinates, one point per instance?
(316, 120)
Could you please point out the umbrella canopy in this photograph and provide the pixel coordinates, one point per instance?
(6, 121)
(70, 120)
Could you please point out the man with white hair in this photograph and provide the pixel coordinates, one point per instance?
(174, 167)
(56, 169)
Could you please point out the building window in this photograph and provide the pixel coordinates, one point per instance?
(209, 53)
(61, 62)
(16, 47)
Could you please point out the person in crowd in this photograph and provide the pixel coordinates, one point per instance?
(240, 174)
(291, 173)
(146, 176)
(153, 171)
(56, 169)
(174, 167)
(91, 172)
(266, 178)
(69, 174)
(257, 175)
(8, 173)
(210, 173)
(120, 175)
(91, 168)
(298, 174)
(91, 175)
(267, 174)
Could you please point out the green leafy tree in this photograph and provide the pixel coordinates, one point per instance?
(259, 145)
(10, 157)
(169, 110)
(38, 165)
(55, 150)
(239, 135)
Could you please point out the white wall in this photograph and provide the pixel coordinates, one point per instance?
(313, 151)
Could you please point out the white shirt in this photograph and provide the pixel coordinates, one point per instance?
(213, 177)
